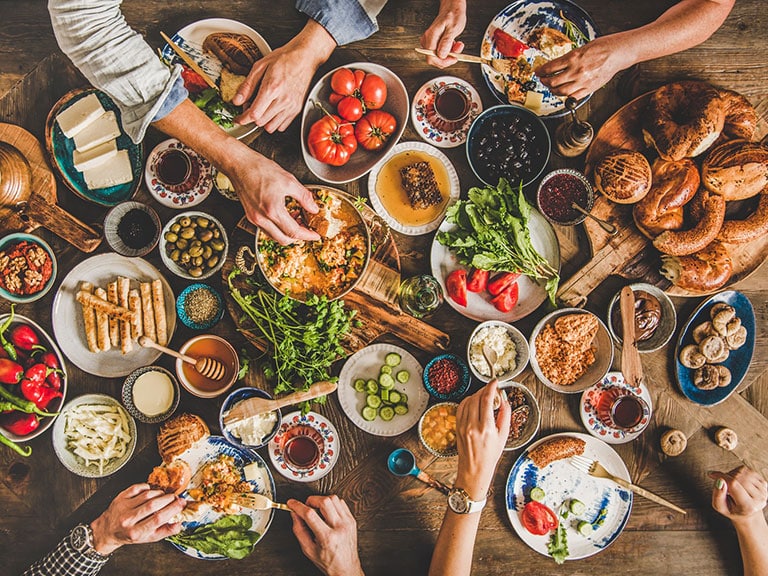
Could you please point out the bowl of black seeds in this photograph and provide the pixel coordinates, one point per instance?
(132, 229)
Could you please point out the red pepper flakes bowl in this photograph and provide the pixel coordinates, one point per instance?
(446, 377)
(12, 242)
(558, 189)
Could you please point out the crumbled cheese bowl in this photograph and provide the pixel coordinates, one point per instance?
(506, 341)
(253, 432)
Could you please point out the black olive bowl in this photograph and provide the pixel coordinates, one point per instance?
(508, 141)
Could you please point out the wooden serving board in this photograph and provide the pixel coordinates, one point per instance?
(630, 254)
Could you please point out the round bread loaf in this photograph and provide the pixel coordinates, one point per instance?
(736, 169)
(683, 119)
(674, 185)
(623, 176)
(179, 434)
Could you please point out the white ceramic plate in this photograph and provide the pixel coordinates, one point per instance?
(423, 101)
(589, 414)
(211, 448)
(67, 314)
(366, 364)
(190, 39)
(562, 482)
(531, 293)
(74, 463)
(328, 457)
(453, 194)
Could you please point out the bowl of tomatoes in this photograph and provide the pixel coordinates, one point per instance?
(353, 116)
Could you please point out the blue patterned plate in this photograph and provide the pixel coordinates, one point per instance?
(738, 360)
(561, 483)
(203, 452)
(521, 18)
(60, 149)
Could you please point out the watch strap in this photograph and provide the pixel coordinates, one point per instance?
(85, 545)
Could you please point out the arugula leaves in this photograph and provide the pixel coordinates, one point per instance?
(222, 113)
(558, 544)
(230, 536)
(493, 234)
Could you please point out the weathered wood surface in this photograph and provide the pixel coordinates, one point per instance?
(398, 518)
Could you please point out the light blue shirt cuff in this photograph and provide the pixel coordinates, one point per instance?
(177, 94)
(345, 20)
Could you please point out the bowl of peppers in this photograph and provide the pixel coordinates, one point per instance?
(33, 381)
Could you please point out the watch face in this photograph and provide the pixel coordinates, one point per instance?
(80, 538)
(457, 500)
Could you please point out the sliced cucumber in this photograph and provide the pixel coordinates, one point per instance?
(392, 359)
(386, 369)
(372, 387)
(386, 381)
(373, 401)
(401, 409)
(387, 413)
(537, 494)
(577, 507)
(394, 396)
(585, 528)
(403, 398)
(368, 413)
(403, 376)
(385, 396)
(359, 385)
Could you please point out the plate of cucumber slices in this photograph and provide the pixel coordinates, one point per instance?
(380, 390)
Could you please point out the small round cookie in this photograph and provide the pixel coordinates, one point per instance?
(737, 339)
(673, 442)
(691, 357)
(707, 377)
(726, 438)
(712, 347)
(702, 331)
(725, 375)
(722, 358)
(732, 326)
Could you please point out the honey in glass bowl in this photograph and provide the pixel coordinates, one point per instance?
(211, 346)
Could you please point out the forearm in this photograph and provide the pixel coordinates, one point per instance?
(753, 542)
(455, 544)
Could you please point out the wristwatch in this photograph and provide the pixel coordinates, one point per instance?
(81, 539)
(460, 503)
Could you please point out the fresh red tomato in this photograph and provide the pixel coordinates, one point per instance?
(374, 129)
(507, 298)
(509, 46)
(343, 82)
(538, 519)
(478, 279)
(373, 91)
(350, 108)
(334, 98)
(501, 282)
(193, 82)
(456, 286)
(332, 141)
(359, 76)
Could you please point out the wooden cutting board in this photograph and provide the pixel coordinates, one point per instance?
(630, 254)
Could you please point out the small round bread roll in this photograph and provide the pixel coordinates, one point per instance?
(737, 339)
(712, 347)
(720, 320)
(623, 176)
(707, 377)
(691, 357)
(673, 442)
(702, 331)
(719, 307)
(726, 438)
(725, 375)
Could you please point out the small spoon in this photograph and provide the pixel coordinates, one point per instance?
(491, 357)
(402, 462)
(607, 226)
(208, 367)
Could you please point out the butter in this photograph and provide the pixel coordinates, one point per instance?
(101, 130)
(113, 172)
(79, 115)
(94, 156)
(153, 393)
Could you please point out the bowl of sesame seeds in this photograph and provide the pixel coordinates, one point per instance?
(199, 306)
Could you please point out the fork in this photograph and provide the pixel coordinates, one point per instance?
(257, 502)
(502, 65)
(594, 468)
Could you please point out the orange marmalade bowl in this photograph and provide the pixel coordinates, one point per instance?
(437, 429)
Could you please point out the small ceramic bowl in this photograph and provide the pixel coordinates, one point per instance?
(475, 352)
(214, 347)
(181, 310)
(461, 387)
(179, 270)
(667, 323)
(129, 401)
(531, 426)
(442, 414)
(603, 353)
(7, 243)
(561, 187)
(235, 397)
(151, 230)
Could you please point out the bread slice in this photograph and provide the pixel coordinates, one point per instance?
(229, 83)
(237, 52)
(550, 41)
(179, 434)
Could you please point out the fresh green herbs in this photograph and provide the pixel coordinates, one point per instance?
(572, 31)
(229, 536)
(558, 544)
(492, 234)
(305, 337)
(222, 113)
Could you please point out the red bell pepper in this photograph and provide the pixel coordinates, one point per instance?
(20, 423)
(478, 280)
(507, 299)
(47, 394)
(501, 282)
(24, 337)
(509, 46)
(37, 373)
(10, 372)
(456, 286)
(49, 359)
(54, 380)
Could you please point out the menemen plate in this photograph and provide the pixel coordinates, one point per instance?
(521, 18)
(190, 40)
(67, 314)
(210, 449)
(738, 360)
(531, 293)
(562, 483)
(366, 364)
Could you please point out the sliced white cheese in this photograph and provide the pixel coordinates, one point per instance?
(101, 130)
(533, 100)
(78, 116)
(94, 156)
(113, 172)
(252, 471)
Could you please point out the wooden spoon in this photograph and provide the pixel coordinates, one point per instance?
(255, 406)
(208, 367)
(631, 366)
(491, 357)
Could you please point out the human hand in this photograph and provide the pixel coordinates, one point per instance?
(586, 69)
(441, 34)
(481, 439)
(740, 495)
(138, 515)
(327, 534)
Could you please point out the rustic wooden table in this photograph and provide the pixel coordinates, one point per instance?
(398, 519)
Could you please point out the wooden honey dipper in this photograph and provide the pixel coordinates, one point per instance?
(208, 367)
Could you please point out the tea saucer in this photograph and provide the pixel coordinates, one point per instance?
(423, 100)
(328, 456)
(189, 193)
(589, 414)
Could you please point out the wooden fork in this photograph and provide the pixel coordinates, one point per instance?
(594, 468)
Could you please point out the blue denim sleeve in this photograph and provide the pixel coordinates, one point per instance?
(346, 20)
(176, 96)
